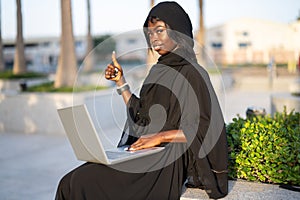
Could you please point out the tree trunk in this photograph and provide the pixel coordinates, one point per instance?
(2, 67)
(152, 2)
(201, 36)
(152, 56)
(67, 63)
(19, 60)
(88, 62)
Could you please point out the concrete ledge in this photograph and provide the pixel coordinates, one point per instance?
(31, 113)
(245, 190)
(14, 85)
(249, 83)
(279, 100)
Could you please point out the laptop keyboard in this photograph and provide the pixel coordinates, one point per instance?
(121, 153)
(118, 154)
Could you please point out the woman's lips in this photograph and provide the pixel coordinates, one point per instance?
(157, 47)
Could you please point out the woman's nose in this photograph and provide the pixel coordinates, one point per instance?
(153, 38)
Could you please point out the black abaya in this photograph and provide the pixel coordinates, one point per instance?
(96, 182)
(181, 89)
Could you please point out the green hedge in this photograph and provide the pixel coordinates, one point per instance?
(265, 149)
(10, 75)
(49, 87)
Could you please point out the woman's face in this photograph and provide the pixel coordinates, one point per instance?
(159, 38)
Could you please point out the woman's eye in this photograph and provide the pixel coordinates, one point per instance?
(159, 31)
(156, 32)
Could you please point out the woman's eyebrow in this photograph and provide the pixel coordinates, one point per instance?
(156, 27)
(159, 26)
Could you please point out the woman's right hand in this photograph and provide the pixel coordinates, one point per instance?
(114, 71)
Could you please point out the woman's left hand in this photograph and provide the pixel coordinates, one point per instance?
(146, 141)
(152, 140)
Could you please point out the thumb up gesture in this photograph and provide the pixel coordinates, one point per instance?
(114, 71)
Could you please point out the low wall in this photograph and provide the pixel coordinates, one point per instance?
(263, 83)
(14, 85)
(281, 100)
(9, 85)
(37, 112)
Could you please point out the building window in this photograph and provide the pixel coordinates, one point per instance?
(245, 33)
(244, 44)
(242, 34)
(216, 45)
(78, 44)
(46, 44)
(131, 41)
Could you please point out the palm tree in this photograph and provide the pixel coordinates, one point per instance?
(201, 35)
(19, 60)
(152, 3)
(88, 63)
(2, 67)
(152, 56)
(67, 63)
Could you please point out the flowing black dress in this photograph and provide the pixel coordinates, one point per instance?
(176, 94)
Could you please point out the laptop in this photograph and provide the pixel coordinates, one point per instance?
(88, 145)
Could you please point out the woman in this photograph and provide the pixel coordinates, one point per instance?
(178, 109)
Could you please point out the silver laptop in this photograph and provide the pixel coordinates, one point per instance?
(87, 143)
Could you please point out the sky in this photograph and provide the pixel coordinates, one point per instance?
(41, 18)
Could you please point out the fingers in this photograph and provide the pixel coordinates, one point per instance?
(115, 62)
(144, 143)
(138, 145)
(135, 145)
(113, 71)
(113, 58)
(110, 72)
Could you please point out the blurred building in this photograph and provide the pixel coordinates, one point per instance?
(41, 53)
(239, 41)
(131, 46)
(242, 41)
